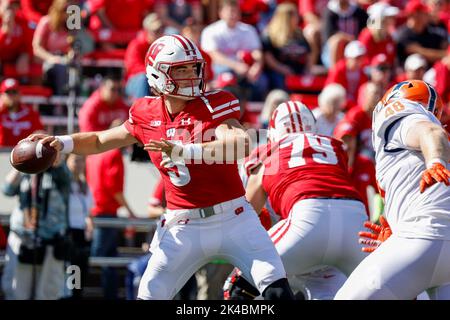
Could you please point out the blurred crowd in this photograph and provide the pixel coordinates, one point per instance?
(342, 54)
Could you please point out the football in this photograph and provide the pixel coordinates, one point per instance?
(32, 156)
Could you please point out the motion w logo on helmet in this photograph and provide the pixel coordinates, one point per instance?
(153, 51)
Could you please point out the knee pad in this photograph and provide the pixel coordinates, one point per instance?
(278, 290)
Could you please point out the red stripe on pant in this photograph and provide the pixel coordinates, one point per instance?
(283, 233)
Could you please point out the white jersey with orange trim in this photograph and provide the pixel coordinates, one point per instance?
(399, 170)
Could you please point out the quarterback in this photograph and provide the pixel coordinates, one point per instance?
(194, 139)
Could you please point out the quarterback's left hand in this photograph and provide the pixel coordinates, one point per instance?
(436, 173)
(376, 236)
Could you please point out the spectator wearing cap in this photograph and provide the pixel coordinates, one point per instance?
(348, 72)
(15, 39)
(103, 107)
(331, 104)
(137, 85)
(355, 130)
(415, 68)
(376, 37)
(51, 45)
(17, 121)
(311, 12)
(418, 37)
(235, 47)
(286, 51)
(343, 20)
(34, 10)
(380, 73)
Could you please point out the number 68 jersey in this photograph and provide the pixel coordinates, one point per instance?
(399, 170)
(304, 166)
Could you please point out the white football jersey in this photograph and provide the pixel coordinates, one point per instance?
(399, 170)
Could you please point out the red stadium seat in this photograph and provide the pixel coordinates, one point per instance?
(114, 36)
(307, 83)
(34, 90)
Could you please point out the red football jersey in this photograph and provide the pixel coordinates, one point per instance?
(196, 184)
(304, 166)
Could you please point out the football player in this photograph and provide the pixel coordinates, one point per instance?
(305, 177)
(412, 155)
(194, 139)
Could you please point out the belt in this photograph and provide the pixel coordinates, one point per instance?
(172, 217)
(336, 198)
(207, 212)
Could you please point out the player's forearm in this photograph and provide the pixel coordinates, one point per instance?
(230, 148)
(433, 143)
(86, 143)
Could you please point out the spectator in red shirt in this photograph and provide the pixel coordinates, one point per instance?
(34, 10)
(105, 177)
(442, 76)
(123, 15)
(348, 72)
(103, 107)
(137, 85)
(51, 45)
(355, 130)
(16, 120)
(15, 38)
(439, 76)
(376, 37)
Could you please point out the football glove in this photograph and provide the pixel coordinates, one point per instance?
(436, 173)
(376, 236)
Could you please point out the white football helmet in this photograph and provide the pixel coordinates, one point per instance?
(291, 117)
(166, 53)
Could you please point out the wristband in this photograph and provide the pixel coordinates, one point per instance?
(67, 143)
(436, 160)
(193, 151)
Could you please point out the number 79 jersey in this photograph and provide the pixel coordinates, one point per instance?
(304, 166)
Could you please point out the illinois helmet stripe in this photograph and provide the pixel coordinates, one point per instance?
(432, 100)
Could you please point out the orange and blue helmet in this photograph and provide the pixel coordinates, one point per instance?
(418, 91)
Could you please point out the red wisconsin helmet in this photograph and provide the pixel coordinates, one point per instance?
(168, 52)
(418, 91)
(290, 117)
